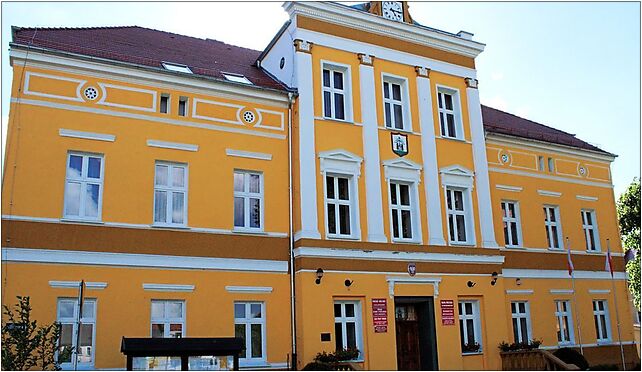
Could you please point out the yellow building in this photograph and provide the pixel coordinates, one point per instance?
(344, 188)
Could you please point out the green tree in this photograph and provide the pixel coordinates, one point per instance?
(628, 212)
(25, 345)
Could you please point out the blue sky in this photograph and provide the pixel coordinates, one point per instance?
(573, 66)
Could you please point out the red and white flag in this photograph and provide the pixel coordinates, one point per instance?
(570, 262)
(608, 265)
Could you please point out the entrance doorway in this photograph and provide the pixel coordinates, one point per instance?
(416, 336)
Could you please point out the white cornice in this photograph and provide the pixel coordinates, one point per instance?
(168, 287)
(357, 20)
(172, 145)
(396, 256)
(247, 289)
(74, 284)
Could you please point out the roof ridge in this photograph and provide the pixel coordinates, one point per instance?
(74, 28)
(532, 121)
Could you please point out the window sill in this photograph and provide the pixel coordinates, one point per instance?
(604, 342)
(161, 226)
(339, 237)
(398, 241)
(556, 250)
(406, 131)
(253, 363)
(472, 353)
(454, 139)
(515, 247)
(249, 231)
(81, 220)
(461, 244)
(595, 252)
(333, 120)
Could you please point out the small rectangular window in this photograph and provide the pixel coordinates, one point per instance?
(249, 325)
(458, 215)
(335, 86)
(551, 165)
(395, 104)
(170, 194)
(248, 200)
(591, 236)
(177, 67)
(601, 318)
(540, 163)
(401, 209)
(164, 103)
(470, 327)
(68, 348)
(564, 324)
(553, 229)
(347, 326)
(168, 319)
(521, 321)
(448, 107)
(84, 186)
(510, 219)
(237, 78)
(182, 106)
(339, 205)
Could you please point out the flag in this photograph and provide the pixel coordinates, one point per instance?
(608, 265)
(570, 262)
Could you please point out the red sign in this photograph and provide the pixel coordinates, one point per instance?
(447, 312)
(380, 314)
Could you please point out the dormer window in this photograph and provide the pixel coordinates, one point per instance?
(237, 78)
(176, 67)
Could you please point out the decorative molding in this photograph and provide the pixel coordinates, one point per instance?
(168, 287)
(519, 291)
(471, 83)
(172, 145)
(586, 198)
(248, 154)
(340, 161)
(402, 170)
(509, 188)
(366, 59)
(561, 291)
(555, 149)
(303, 46)
(456, 175)
(410, 280)
(560, 274)
(554, 194)
(28, 91)
(103, 97)
(599, 291)
(75, 284)
(549, 177)
(397, 256)
(247, 289)
(422, 71)
(86, 135)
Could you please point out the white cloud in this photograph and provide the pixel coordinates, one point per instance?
(497, 76)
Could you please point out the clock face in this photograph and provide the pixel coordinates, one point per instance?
(392, 10)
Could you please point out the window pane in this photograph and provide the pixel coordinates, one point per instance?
(508, 242)
(337, 310)
(451, 125)
(338, 336)
(511, 210)
(239, 212)
(388, 115)
(162, 175)
(349, 310)
(181, 107)
(339, 112)
(88, 309)
(589, 218)
(396, 92)
(386, 90)
(552, 214)
(329, 184)
(338, 80)
(406, 224)
(327, 104)
(469, 308)
(255, 213)
(163, 104)
(470, 331)
(344, 219)
(449, 202)
(239, 311)
(66, 309)
(440, 97)
(158, 310)
(178, 176)
(398, 116)
(326, 78)
(75, 166)
(178, 204)
(451, 227)
(343, 189)
(442, 124)
(514, 233)
(404, 193)
(86, 342)
(393, 194)
(351, 334)
(461, 228)
(239, 331)
(522, 307)
(459, 200)
(91, 200)
(522, 322)
(515, 330)
(449, 101)
(462, 333)
(174, 309)
(332, 221)
(257, 337)
(66, 334)
(72, 199)
(556, 243)
(158, 330)
(395, 223)
(604, 329)
(175, 330)
(591, 239)
(255, 311)
(239, 182)
(255, 183)
(93, 170)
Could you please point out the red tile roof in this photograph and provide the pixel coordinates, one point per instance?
(144, 46)
(496, 121)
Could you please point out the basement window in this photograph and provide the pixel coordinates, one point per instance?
(176, 67)
(236, 78)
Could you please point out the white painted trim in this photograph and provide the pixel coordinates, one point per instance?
(168, 287)
(509, 188)
(400, 169)
(396, 256)
(456, 111)
(519, 291)
(340, 161)
(75, 284)
(141, 260)
(599, 291)
(549, 177)
(457, 176)
(27, 91)
(586, 198)
(418, 275)
(150, 118)
(561, 291)
(248, 154)
(103, 97)
(553, 194)
(412, 280)
(560, 274)
(552, 148)
(554, 347)
(406, 109)
(247, 289)
(86, 135)
(172, 145)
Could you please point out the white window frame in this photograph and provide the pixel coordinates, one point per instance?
(586, 228)
(84, 181)
(358, 330)
(456, 112)
(73, 322)
(519, 315)
(169, 189)
(508, 220)
(551, 165)
(540, 163)
(467, 213)
(476, 318)
(178, 108)
(560, 314)
(248, 321)
(176, 67)
(247, 195)
(599, 332)
(351, 203)
(346, 91)
(169, 103)
(166, 321)
(415, 216)
(548, 224)
(405, 102)
(237, 78)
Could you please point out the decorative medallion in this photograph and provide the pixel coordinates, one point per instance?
(249, 117)
(91, 93)
(412, 269)
(505, 158)
(399, 142)
(582, 171)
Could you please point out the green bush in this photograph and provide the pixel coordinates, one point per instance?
(532, 344)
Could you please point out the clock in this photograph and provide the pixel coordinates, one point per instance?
(392, 10)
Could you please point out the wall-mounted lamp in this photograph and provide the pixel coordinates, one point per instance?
(518, 281)
(319, 275)
(348, 282)
(470, 284)
(494, 276)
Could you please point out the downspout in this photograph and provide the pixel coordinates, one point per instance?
(290, 235)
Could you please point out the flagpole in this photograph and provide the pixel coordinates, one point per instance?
(572, 272)
(617, 313)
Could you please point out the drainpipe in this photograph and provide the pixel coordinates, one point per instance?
(290, 235)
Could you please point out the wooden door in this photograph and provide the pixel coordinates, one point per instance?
(407, 338)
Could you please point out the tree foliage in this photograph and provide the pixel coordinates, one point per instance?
(25, 345)
(628, 212)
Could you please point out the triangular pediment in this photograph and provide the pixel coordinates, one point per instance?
(340, 155)
(402, 163)
(456, 170)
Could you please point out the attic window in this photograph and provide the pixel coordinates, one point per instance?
(237, 78)
(176, 67)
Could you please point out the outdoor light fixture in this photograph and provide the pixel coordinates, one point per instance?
(470, 284)
(319, 275)
(348, 282)
(518, 281)
(494, 276)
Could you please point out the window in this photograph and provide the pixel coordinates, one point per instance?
(448, 107)
(168, 319)
(401, 209)
(347, 326)
(512, 227)
(182, 106)
(248, 200)
(237, 78)
(164, 103)
(338, 205)
(553, 230)
(394, 103)
(564, 322)
(177, 67)
(336, 92)
(249, 324)
(540, 163)
(84, 186)
(601, 317)
(521, 321)
(469, 326)
(551, 165)
(170, 194)
(589, 224)
(67, 316)
(456, 199)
